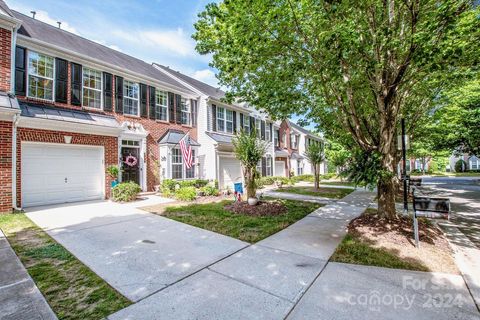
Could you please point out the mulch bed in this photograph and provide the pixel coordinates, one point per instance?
(403, 226)
(263, 208)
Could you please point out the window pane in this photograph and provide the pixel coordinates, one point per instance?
(40, 79)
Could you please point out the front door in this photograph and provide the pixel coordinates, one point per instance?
(131, 164)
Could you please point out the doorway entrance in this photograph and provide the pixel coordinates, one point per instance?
(130, 156)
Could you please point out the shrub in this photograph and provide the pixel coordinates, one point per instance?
(197, 183)
(304, 177)
(112, 171)
(210, 190)
(266, 181)
(460, 166)
(186, 193)
(125, 191)
(168, 185)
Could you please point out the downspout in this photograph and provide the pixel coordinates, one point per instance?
(16, 118)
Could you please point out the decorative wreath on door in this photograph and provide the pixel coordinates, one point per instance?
(131, 161)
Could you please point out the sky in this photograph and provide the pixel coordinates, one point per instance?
(152, 30)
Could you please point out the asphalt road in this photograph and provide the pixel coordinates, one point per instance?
(464, 194)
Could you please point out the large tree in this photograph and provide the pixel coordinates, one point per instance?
(349, 66)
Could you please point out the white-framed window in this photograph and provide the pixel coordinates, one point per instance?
(130, 98)
(229, 121)
(293, 141)
(277, 138)
(92, 88)
(268, 134)
(474, 163)
(258, 127)
(269, 165)
(186, 112)
(220, 119)
(224, 120)
(299, 167)
(177, 164)
(190, 172)
(246, 123)
(41, 73)
(161, 103)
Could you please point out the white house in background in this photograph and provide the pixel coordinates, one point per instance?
(218, 122)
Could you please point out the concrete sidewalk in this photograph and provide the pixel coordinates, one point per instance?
(262, 281)
(19, 296)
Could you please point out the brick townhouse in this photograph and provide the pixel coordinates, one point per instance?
(70, 107)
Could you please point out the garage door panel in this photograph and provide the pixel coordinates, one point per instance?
(45, 167)
(230, 172)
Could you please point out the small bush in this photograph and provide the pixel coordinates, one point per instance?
(266, 181)
(197, 183)
(328, 176)
(125, 191)
(304, 177)
(210, 191)
(186, 193)
(460, 166)
(168, 186)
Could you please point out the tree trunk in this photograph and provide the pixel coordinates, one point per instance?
(250, 183)
(316, 184)
(386, 188)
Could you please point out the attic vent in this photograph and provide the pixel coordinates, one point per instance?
(33, 14)
(59, 24)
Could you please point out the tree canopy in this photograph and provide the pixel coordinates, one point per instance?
(352, 67)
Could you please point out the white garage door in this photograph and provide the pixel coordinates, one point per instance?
(280, 168)
(230, 172)
(61, 173)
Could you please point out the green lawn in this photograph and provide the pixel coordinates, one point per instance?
(214, 217)
(71, 289)
(354, 250)
(338, 183)
(334, 193)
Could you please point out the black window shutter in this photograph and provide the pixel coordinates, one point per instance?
(262, 128)
(252, 124)
(171, 107)
(264, 166)
(214, 117)
(107, 91)
(271, 165)
(61, 80)
(143, 101)
(152, 103)
(118, 94)
(178, 109)
(241, 121)
(193, 106)
(76, 83)
(234, 122)
(20, 71)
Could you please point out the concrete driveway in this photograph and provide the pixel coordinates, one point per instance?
(136, 252)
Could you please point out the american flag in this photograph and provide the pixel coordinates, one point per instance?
(186, 148)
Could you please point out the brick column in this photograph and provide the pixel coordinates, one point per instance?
(6, 131)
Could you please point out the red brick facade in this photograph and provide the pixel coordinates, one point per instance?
(110, 145)
(285, 144)
(154, 128)
(6, 128)
(5, 59)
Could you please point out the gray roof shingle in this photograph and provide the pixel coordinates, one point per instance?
(207, 89)
(42, 31)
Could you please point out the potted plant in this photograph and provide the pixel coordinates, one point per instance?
(113, 171)
(249, 151)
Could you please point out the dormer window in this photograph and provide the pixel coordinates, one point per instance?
(40, 76)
